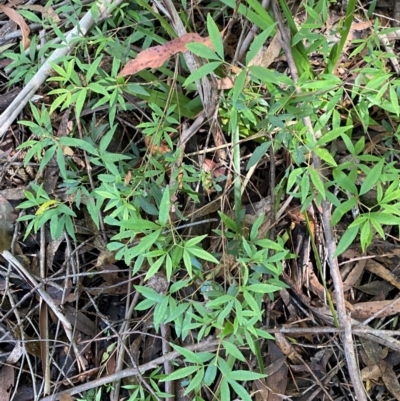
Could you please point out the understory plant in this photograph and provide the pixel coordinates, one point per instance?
(134, 194)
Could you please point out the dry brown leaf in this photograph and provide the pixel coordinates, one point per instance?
(266, 55)
(18, 19)
(372, 372)
(66, 397)
(354, 275)
(389, 377)
(381, 271)
(156, 56)
(80, 321)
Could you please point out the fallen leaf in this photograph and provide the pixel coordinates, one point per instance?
(6, 382)
(156, 56)
(266, 55)
(6, 224)
(389, 377)
(18, 19)
(364, 310)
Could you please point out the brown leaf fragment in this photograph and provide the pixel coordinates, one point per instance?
(6, 382)
(373, 351)
(80, 321)
(276, 381)
(354, 275)
(391, 382)
(66, 397)
(266, 55)
(372, 372)
(156, 56)
(287, 349)
(381, 271)
(364, 310)
(18, 19)
(7, 219)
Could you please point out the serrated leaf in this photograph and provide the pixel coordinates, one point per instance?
(231, 349)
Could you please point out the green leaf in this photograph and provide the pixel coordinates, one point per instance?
(365, 235)
(229, 223)
(165, 206)
(238, 86)
(202, 50)
(179, 310)
(231, 349)
(201, 72)
(225, 392)
(245, 375)
(325, 155)
(215, 36)
(372, 177)
(160, 312)
(344, 31)
(385, 218)
(210, 374)
(202, 254)
(93, 68)
(180, 373)
(294, 174)
(80, 101)
(145, 243)
(317, 181)
(195, 240)
(342, 209)
(79, 143)
(346, 240)
(258, 154)
(263, 288)
(240, 390)
(190, 356)
(195, 383)
(258, 43)
(223, 299)
(255, 227)
(149, 293)
(155, 267)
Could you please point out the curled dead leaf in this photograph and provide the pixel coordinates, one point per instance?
(18, 19)
(156, 56)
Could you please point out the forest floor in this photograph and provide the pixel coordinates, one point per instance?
(199, 200)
